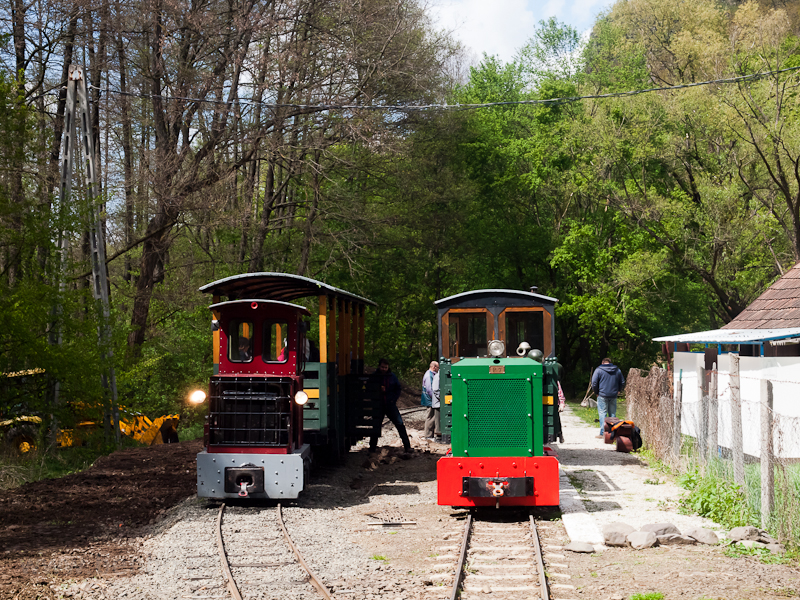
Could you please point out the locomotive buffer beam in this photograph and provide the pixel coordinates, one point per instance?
(495, 487)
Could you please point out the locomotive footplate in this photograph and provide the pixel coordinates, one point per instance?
(495, 487)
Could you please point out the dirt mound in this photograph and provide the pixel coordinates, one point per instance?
(119, 493)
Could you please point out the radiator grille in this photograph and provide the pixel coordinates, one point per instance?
(248, 411)
(498, 413)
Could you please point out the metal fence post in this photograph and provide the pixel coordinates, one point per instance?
(767, 455)
(737, 441)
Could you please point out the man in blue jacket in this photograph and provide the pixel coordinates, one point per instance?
(607, 382)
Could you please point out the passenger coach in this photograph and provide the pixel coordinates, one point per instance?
(499, 382)
(283, 386)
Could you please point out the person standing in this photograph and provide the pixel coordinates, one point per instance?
(430, 398)
(388, 387)
(607, 382)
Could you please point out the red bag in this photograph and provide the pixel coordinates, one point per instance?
(624, 444)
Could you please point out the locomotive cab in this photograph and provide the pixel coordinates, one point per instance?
(254, 433)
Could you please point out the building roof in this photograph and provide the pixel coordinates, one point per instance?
(776, 308)
(732, 336)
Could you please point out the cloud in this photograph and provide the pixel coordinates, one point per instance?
(496, 28)
(501, 27)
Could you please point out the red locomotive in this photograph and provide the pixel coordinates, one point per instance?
(276, 393)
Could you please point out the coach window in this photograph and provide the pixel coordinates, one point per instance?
(240, 341)
(525, 327)
(276, 338)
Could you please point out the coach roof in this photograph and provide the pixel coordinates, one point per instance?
(276, 286)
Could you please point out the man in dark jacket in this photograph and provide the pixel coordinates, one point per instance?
(388, 386)
(607, 381)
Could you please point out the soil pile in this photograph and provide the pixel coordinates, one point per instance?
(86, 518)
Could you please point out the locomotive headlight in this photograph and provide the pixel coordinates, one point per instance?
(301, 398)
(496, 348)
(197, 397)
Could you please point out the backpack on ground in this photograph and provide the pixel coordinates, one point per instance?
(625, 434)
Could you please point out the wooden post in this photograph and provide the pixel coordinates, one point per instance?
(702, 425)
(341, 314)
(737, 441)
(331, 329)
(361, 348)
(323, 330)
(713, 415)
(767, 455)
(676, 418)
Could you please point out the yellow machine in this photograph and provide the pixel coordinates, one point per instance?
(20, 433)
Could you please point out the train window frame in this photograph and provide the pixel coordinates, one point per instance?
(546, 329)
(235, 333)
(266, 340)
(460, 312)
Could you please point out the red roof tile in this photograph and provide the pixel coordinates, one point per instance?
(777, 308)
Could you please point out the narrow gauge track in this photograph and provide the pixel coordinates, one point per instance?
(259, 559)
(501, 557)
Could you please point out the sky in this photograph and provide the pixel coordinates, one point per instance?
(501, 27)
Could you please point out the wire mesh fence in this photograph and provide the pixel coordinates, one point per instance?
(738, 427)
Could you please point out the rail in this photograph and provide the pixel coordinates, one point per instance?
(233, 588)
(503, 539)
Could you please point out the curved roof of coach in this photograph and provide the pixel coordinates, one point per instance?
(276, 286)
(229, 303)
(495, 296)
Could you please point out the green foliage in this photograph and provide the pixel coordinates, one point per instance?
(172, 364)
(589, 415)
(648, 596)
(718, 499)
(763, 555)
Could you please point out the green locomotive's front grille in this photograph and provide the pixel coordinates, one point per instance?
(498, 413)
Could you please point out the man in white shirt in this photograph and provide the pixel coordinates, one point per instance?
(430, 391)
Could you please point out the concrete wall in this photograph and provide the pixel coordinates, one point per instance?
(784, 372)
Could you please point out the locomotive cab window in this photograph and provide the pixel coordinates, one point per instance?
(527, 326)
(467, 334)
(240, 341)
(276, 340)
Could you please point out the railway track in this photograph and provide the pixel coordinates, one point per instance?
(254, 558)
(502, 556)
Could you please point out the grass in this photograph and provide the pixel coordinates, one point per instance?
(49, 463)
(712, 493)
(715, 497)
(589, 415)
(648, 596)
(380, 557)
(764, 555)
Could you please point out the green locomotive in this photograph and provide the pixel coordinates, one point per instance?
(499, 385)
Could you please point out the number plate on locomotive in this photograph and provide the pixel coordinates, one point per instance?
(497, 369)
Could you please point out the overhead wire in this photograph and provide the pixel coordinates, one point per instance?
(445, 106)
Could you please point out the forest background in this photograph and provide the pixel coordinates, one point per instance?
(644, 215)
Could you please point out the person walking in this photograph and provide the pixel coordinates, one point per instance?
(607, 382)
(430, 398)
(388, 387)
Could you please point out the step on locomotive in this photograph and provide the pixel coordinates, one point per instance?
(499, 381)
